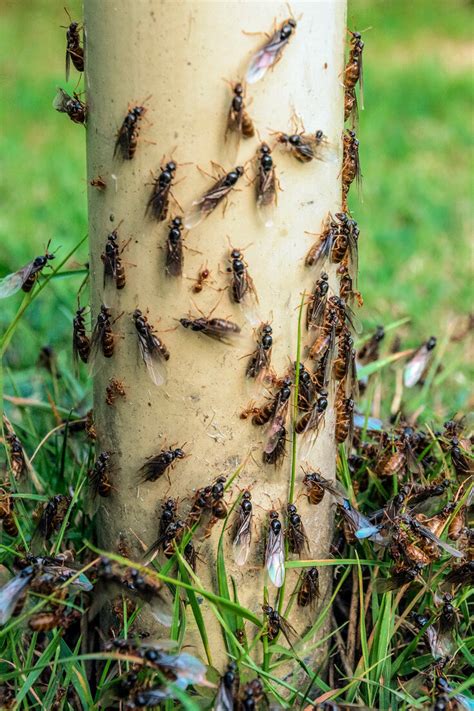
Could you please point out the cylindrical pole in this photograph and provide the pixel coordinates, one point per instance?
(174, 57)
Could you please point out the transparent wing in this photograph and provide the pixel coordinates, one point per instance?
(266, 198)
(12, 283)
(11, 593)
(264, 58)
(224, 699)
(275, 559)
(445, 546)
(153, 362)
(415, 367)
(243, 537)
(60, 100)
(96, 359)
(325, 150)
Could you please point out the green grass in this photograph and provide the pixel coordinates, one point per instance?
(416, 150)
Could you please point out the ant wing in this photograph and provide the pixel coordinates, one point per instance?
(11, 593)
(242, 539)
(275, 558)
(96, 360)
(266, 197)
(60, 101)
(415, 367)
(153, 361)
(12, 283)
(325, 150)
(265, 58)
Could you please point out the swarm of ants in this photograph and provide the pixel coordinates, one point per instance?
(402, 497)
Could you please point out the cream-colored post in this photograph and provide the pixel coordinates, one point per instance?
(175, 56)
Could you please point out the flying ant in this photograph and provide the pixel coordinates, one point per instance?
(316, 486)
(158, 203)
(353, 73)
(98, 475)
(274, 412)
(306, 147)
(326, 338)
(217, 504)
(321, 249)
(202, 502)
(344, 417)
(152, 349)
(166, 542)
(311, 422)
(275, 551)
(46, 621)
(276, 624)
(111, 258)
(309, 587)
(295, 532)
(207, 203)
(127, 137)
(53, 515)
(417, 367)
(260, 360)
(174, 248)
(344, 245)
(346, 285)
(6, 514)
(242, 283)
(243, 530)
(74, 50)
(217, 328)
(226, 698)
(26, 277)
(350, 170)
(81, 345)
(400, 575)
(156, 466)
(306, 389)
(317, 302)
(70, 105)
(369, 351)
(266, 185)
(168, 515)
(238, 120)
(275, 450)
(16, 453)
(345, 356)
(271, 52)
(103, 338)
